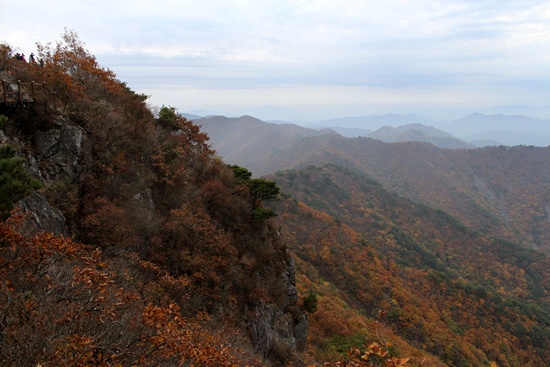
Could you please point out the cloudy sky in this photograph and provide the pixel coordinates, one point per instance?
(308, 59)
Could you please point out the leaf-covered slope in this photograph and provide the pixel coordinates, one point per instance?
(444, 288)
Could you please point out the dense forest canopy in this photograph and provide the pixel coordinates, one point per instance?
(437, 284)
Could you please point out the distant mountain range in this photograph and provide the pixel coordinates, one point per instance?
(409, 132)
(475, 130)
(421, 133)
(374, 122)
(282, 130)
(507, 130)
(481, 187)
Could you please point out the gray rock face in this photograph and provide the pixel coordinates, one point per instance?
(274, 330)
(144, 204)
(60, 150)
(57, 156)
(41, 216)
(289, 279)
(300, 332)
(3, 138)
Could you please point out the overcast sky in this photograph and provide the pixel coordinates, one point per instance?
(307, 59)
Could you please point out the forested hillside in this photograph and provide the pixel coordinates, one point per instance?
(428, 279)
(501, 191)
(439, 253)
(125, 240)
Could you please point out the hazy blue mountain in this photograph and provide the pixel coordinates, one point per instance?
(352, 132)
(536, 112)
(474, 130)
(408, 132)
(273, 113)
(419, 132)
(497, 129)
(509, 138)
(191, 116)
(374, 122)
(508, 130)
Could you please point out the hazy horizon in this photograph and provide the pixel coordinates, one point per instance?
(272, 113)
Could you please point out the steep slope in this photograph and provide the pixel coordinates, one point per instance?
(468, 184)
(446, 289)
(163, 258)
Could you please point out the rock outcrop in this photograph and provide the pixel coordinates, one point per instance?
(60, 151)
(56, 155)
(276, 331)
(41, 216)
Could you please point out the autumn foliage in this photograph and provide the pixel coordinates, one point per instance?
(166, 259)
(401, 273)
(66, 304)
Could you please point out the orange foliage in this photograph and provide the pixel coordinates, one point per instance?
(66, 304)
(139, 189)
(432, 281)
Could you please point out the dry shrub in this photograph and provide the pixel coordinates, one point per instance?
(108, 225)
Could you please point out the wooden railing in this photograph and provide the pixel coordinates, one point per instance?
(19, 92)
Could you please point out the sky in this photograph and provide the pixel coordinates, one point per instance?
(309, 60)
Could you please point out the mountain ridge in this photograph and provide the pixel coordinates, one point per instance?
(442, 178)
(513, 129)
(420, 133)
